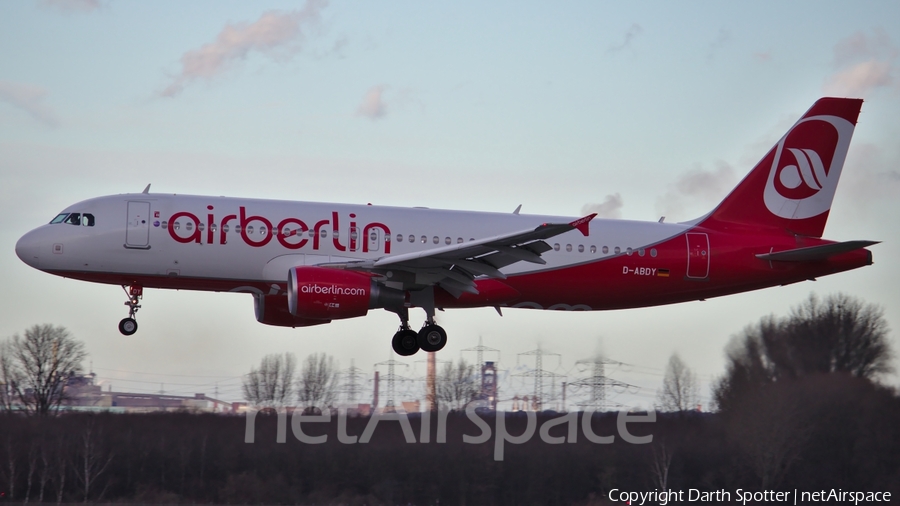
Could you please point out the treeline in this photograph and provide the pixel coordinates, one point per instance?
(827, 431)
(800, 406)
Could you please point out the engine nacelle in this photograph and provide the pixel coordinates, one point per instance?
(321, 293)
(273, 310)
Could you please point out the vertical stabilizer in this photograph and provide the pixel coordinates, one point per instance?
(793, 186)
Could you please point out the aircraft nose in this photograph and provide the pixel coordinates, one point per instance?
(28, 249)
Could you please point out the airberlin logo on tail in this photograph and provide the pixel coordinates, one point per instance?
(332, 290)
(807, 166)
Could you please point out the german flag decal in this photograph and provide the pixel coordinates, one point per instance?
(663, 273)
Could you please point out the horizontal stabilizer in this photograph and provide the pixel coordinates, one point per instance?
(813, 253)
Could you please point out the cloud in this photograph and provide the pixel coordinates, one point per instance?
(373, 105)
(859, 46)
(721, 40)
(864, 63)
(72, 6)
(633, 31)
(860, 79)
(611, 207)
(271, 32)
(870, 174)
(698, 186)
(29, 98)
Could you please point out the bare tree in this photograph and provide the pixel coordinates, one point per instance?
(272, 385)
(37, 367)
(457, 385)
(11, 466)
(680, 390)
(317, 386)
(660, 462)
(7, 377)
(838, 334)
(32, 461)
(92, 459)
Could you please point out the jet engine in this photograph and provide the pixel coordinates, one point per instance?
(273, 310)
(321, 293)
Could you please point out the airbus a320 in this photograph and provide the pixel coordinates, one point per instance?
(308, 263)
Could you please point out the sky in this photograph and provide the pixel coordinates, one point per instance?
(631, 109)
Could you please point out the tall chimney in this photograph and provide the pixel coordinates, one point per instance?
(375, 399)
(430, 387)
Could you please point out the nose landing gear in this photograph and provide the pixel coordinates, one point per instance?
(129, 326)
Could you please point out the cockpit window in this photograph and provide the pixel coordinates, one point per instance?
(78, 219)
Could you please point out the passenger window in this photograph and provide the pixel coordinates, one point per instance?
(59, 218)
(628, 251)
(225, 229)
(165, 225)
(593, 249)
(617, 250)
(323, 234)
(436, 239)
(424, 239)
(653, 252)
(399, 238)
(201, 227)
(263, 230)
(569, 248)
(605, 250)
(447, 240)
(556, 246)
(459, 240)
(641, 252)
(189, 226)
(581, 248)
(176, 225)
(412, 238)
(249, 229)
(213, 228)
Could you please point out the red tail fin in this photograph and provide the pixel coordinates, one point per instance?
(792, 187)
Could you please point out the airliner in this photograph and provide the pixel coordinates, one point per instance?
(308, 263)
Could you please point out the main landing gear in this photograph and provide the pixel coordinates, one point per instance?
(431, 338)
(129, 326)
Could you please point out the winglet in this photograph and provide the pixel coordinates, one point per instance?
(147, 189)
(583, 224)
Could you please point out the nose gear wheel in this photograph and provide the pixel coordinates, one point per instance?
(128, 326)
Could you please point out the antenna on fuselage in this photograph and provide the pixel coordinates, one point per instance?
(147, 189)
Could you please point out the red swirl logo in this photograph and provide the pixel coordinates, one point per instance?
(804, 166)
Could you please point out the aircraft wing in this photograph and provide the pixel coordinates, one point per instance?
(455, 267)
